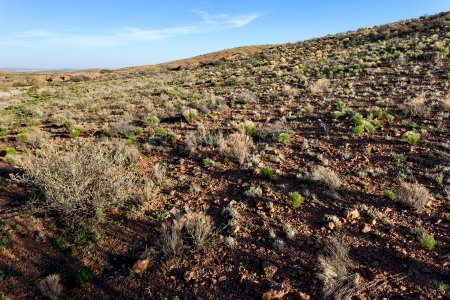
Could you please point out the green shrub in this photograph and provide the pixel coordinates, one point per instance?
(358, 130)
(267, 172)
(80, 276)
(428, 242)
(11, 151)
(76, 132)
(3, 131)
(284, 137)
(296, 199)
(390, 195)
(309, 109)
(412, 137)
(390, 118)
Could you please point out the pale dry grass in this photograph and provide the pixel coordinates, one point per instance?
(413, 195)
(238, 146)
(335, 271)
(51, 287)
(327, 177)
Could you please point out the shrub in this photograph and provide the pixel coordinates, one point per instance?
(417, 106)
(413, 195)
(80, 276)
(237, 146)
(390, 195)
(193, 228)
(51, 287)
(427, 241)
(320, 86)
(296, 199)
(284, 138)
(412, 137)
(327, 177)
(335, 265)
(79, 186)
(190, 114)
(266, 172)
(75, 132)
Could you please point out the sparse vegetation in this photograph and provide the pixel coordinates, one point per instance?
(413, 195)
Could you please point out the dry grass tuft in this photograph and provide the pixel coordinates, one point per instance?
(335, 265)
(51, 287)
(320, 86)
(413, 195)
(191, 229)
(327, 177)
(418, 106)
(238, 146)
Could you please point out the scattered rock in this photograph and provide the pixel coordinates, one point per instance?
(140, 266)
(352, 214)
(302, 296)
(331, 225)
(274, 294)
(188, 276)
(269, 269)
(366, 228)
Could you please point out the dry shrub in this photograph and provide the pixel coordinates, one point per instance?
(413, 195)
(271, 131)
(123, 128)
(418, 106)
(190, 114)
(51, 287)
(191, 229)
(123, 155)
(158, 175)
(327, 177)
(320, 86)
(36, 138)
(80, 186)
(335, 265)
(238, 146)
(211, 139)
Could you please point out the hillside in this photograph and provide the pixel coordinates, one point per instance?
(299, 171)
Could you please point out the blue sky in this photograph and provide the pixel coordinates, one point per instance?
(50, 34)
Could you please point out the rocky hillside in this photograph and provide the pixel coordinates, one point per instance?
(317, 169)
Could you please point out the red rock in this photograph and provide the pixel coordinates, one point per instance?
(140, 266)
(274, 294)
(366, 228)
(269, 269)
(352, 214)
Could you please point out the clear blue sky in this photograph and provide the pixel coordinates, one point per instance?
(54, 34)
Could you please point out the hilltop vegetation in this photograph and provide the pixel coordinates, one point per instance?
(317, 169)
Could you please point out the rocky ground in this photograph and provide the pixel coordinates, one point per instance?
(299, 171)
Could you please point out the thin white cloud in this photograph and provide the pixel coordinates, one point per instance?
(209, 23)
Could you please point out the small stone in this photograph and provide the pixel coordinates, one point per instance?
(303, 296)
(331, 225)
(403, 288)
(352, 214)
(140, 266)
(366, 228)
(274, 294)
(188, 275)
(269, 269)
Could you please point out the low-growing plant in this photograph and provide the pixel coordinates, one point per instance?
(266, 172)
(390, 195)
(51, 287)
(81, 186)
(412, 137)
(296, 199)
(76, 132)
(413, 195)
(327, 177)
(284, 138)
(238, 146)
(81, 275)
(335, 271)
